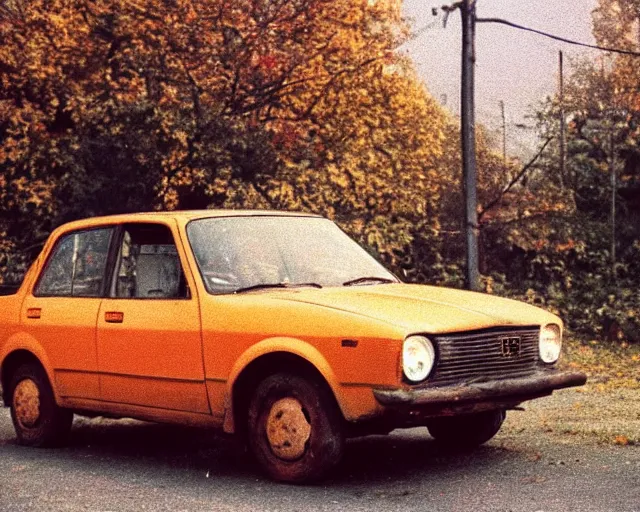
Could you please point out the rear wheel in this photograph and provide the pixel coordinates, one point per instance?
(37, 419)
(466, 431)
(294, 428)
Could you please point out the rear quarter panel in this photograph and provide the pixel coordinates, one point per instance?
(9, 320)
(13, 335)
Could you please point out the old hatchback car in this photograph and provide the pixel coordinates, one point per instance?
(274, 326)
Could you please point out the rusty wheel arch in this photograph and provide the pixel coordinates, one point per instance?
(261, 368)
(10, 364)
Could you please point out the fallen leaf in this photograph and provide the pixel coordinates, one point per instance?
(621, 440)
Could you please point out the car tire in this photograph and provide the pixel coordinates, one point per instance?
(466, 431)
(295, 428)
(37, 419)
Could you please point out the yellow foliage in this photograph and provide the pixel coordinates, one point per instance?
(297, 104)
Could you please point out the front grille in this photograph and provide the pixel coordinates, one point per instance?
(487, 354)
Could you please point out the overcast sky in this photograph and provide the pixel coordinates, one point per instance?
(519, 68)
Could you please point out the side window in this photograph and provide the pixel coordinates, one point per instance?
(148, 265)
(77, 266)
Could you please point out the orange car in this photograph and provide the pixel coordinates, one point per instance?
(274, 326)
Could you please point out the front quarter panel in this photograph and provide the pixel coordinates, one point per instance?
(353, 353)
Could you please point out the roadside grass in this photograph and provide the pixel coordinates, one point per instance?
(605, 411)
(609, 365)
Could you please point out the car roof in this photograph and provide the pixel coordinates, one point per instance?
(181, 215)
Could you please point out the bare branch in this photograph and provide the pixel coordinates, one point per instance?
(515, 180)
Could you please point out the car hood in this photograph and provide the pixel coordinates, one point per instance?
(419, 308)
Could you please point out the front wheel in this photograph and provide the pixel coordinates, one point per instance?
(37, 419)
(466, 431)
(295, 428)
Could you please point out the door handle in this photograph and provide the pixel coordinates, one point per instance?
(114, 317)
(34, 313)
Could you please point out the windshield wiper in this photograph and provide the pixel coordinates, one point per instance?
(276, 285)
(367, 279)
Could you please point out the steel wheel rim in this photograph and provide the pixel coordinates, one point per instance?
(288, 429)
(26, 403)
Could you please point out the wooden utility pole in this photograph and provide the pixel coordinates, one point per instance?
(563, 175)
(468, 136)
(614, 185)
(504, 135)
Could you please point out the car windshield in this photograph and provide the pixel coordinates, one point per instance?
(236, 254)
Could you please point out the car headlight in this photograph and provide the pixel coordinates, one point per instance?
(418, 357)
(550, 343)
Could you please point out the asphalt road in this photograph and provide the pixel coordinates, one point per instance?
(132, 466)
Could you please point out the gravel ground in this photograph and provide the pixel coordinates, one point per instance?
(584, 415)
(560, 455)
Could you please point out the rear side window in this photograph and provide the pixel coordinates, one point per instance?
(77, 266)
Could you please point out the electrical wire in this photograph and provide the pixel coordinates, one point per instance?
(417, 33)
(557, 38)
(423, 29)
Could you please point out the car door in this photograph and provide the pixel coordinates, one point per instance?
(62, 310)
(149, 333)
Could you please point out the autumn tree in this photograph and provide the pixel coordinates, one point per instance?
(111, 106)
(595, 291)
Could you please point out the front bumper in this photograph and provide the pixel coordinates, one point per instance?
(480, 395)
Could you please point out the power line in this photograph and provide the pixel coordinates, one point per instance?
(423, 29)
(417, 33)
(557, 38)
